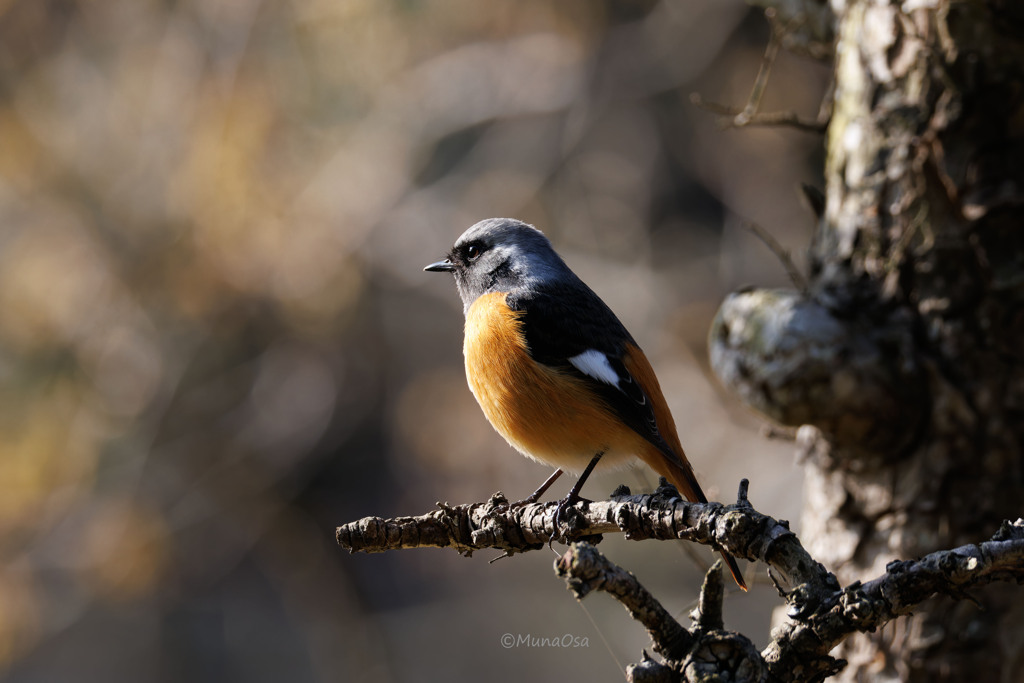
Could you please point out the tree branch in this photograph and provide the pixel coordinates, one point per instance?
(702, 653)
(799, 649)
(820, 613)
(662, 515)
(585, 570)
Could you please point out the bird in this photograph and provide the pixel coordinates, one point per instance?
(552, 367)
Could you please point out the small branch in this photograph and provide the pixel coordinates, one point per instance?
(740, 118)
(804, 27)
(750, 114)
(799, 649)
(795, 276)
(704, 653)
(761, 82)
(585, 570)
(708, 614)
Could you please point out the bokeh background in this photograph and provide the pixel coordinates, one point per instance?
(217, 342)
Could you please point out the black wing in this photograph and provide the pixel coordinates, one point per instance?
(556, 333)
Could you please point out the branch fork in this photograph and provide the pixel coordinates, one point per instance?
(821, 613)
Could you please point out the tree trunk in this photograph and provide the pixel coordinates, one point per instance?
(906, 354)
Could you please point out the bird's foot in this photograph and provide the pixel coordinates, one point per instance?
(562, 516)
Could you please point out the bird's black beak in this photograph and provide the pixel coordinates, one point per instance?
(440, 267)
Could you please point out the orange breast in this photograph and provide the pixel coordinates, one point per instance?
(544, 413)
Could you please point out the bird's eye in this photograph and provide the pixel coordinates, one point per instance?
(473, 252)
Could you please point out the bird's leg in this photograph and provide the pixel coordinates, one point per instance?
(574, 494)
(535, 496)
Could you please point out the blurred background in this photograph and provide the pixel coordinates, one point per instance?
(217, 342)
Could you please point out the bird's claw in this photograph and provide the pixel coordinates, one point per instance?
(560, 517)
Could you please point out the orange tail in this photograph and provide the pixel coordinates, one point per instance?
(734, 569)
(671, 463)
(681, 476)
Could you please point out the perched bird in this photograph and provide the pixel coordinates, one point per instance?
(555, 372)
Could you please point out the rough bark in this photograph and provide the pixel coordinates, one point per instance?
(819, 614)
(904, 361)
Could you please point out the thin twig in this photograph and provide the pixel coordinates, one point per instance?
(795, 276)
(735, 118)
(750, 114)
(760, 82)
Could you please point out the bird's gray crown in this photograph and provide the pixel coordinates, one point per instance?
(504, 255)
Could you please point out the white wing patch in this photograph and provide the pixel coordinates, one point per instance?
(595, 364)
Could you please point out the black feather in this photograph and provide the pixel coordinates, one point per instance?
(556, 332)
